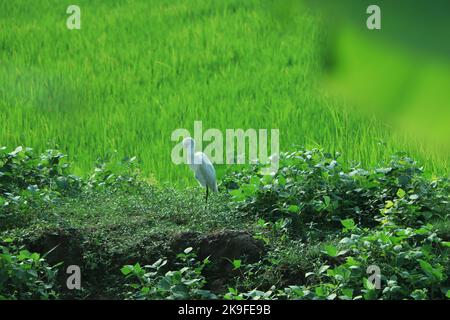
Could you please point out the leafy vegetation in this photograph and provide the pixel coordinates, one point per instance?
(414, 263)
(313, 189)
(25, 275)
(28, 180)
(104, 220)
(384, 212)
(186, 283)
(320, 230)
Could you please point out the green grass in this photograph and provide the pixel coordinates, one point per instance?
(137, 70)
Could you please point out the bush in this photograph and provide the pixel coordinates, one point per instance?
(185, 283)
(313, 188)
(393, 216)
(29, 180)
(413, 264)
(26, 177)
(25, 275)
(386, 213)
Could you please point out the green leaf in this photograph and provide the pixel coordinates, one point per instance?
(320, 291)
(267, 179)
(24, 254)
(191, 281)
(323, 268)
(158, 264)
(236, 264)
(180, 291)
(370, 294)
(330, 250)
(164, 284)
(254, 180)
(430, 270)
(261, 222)
(137, 268)
(293, 208)
(327, 201)
(427, 267)
(401, 193)
(237, 195)
(446, 243)
(126, 269)
(346, 240)
(347, 292)
(281, 180)
(249, 190)
(232, 290)
(35, 256)
(187, 250)
(331, 296)
(348, 224)
(389, 204)
(368, 285)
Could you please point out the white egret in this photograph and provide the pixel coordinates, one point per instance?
(203, 169)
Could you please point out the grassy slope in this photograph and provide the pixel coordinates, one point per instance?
(136, 71)
(102, 231)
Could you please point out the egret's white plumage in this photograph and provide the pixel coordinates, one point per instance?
(202, 167)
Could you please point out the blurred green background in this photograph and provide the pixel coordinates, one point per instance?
(401, 73)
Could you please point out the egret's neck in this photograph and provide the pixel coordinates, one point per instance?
(190, 154)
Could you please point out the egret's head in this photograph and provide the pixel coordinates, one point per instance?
(188, 143)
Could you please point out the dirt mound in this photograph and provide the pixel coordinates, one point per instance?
(221, 248)
(71, 245)
(59, 245)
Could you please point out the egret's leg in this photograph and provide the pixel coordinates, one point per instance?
(207, 193)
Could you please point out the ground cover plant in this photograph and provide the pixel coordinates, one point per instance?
(308, 232)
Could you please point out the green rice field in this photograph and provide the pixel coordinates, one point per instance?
(138, 70)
